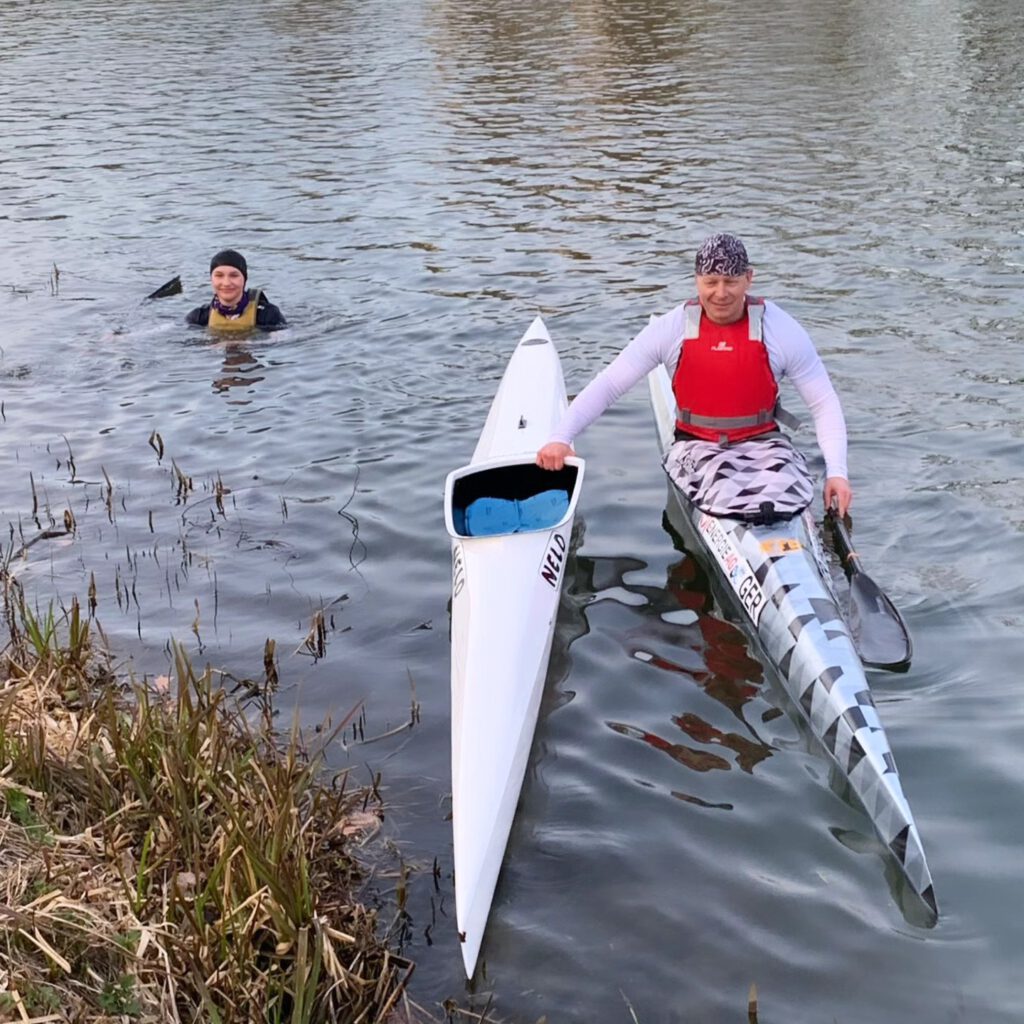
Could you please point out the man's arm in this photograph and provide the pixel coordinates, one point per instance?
(651, 346)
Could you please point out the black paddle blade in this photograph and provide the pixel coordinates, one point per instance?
(172, 287)
(878, 629)
(879, 632)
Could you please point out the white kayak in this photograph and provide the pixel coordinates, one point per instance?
(510, 524)
(779, 580)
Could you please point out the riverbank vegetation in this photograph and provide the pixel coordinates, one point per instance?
(168, 852)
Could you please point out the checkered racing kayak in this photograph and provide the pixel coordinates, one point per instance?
(779, 578)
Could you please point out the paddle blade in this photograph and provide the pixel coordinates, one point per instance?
(878, 630)
(172, 287)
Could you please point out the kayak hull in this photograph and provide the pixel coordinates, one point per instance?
(777, 577)
(506, 589)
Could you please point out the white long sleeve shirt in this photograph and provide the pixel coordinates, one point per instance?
(791, 354)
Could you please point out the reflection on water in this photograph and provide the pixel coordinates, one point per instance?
(238, 371)
(711, 653)
(696, 760)
(748, 752)
(725, 669)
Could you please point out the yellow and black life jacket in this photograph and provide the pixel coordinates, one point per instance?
(245, 322)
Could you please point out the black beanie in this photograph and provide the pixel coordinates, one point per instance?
(230, 258)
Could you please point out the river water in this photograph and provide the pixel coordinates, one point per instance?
(412, 184)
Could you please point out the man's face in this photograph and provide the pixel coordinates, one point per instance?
(228, 284)
(723, 295)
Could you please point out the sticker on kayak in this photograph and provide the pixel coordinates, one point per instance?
(458, 570)
(739, 574)
(554, 559)
(776, 546)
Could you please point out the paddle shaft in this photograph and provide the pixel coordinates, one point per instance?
(844, 544)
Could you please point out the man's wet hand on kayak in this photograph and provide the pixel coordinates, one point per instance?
(554, 454)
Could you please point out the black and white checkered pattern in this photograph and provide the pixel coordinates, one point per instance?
(776, 575)
(737, 480)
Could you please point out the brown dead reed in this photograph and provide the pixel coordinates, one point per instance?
(167, 855)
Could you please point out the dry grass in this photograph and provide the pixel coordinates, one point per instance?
(166, 855)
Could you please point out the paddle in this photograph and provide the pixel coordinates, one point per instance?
(172, 287)
(880, 634)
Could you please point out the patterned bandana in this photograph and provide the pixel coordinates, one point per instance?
(722, 254)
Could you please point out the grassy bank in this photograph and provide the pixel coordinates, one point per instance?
(166, 854)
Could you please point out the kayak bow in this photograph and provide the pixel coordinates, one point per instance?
(778, 578)
(510, 524)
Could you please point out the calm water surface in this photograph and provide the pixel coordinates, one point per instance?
(412, 184)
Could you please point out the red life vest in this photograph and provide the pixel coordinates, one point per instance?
(724, 386)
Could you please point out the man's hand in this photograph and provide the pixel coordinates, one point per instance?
(553, 455)
(838, 494)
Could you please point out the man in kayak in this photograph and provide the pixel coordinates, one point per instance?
(726, 352)
(235, 307)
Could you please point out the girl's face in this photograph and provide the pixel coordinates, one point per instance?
(228, 284)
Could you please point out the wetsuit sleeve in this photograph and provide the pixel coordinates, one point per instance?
(793, 355)
(268, 316)
(653, 345)
(199, 317)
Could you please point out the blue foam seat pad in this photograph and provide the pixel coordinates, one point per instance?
(488, 516)
(542, 511)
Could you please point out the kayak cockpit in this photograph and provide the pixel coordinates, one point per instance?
(508, 497)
